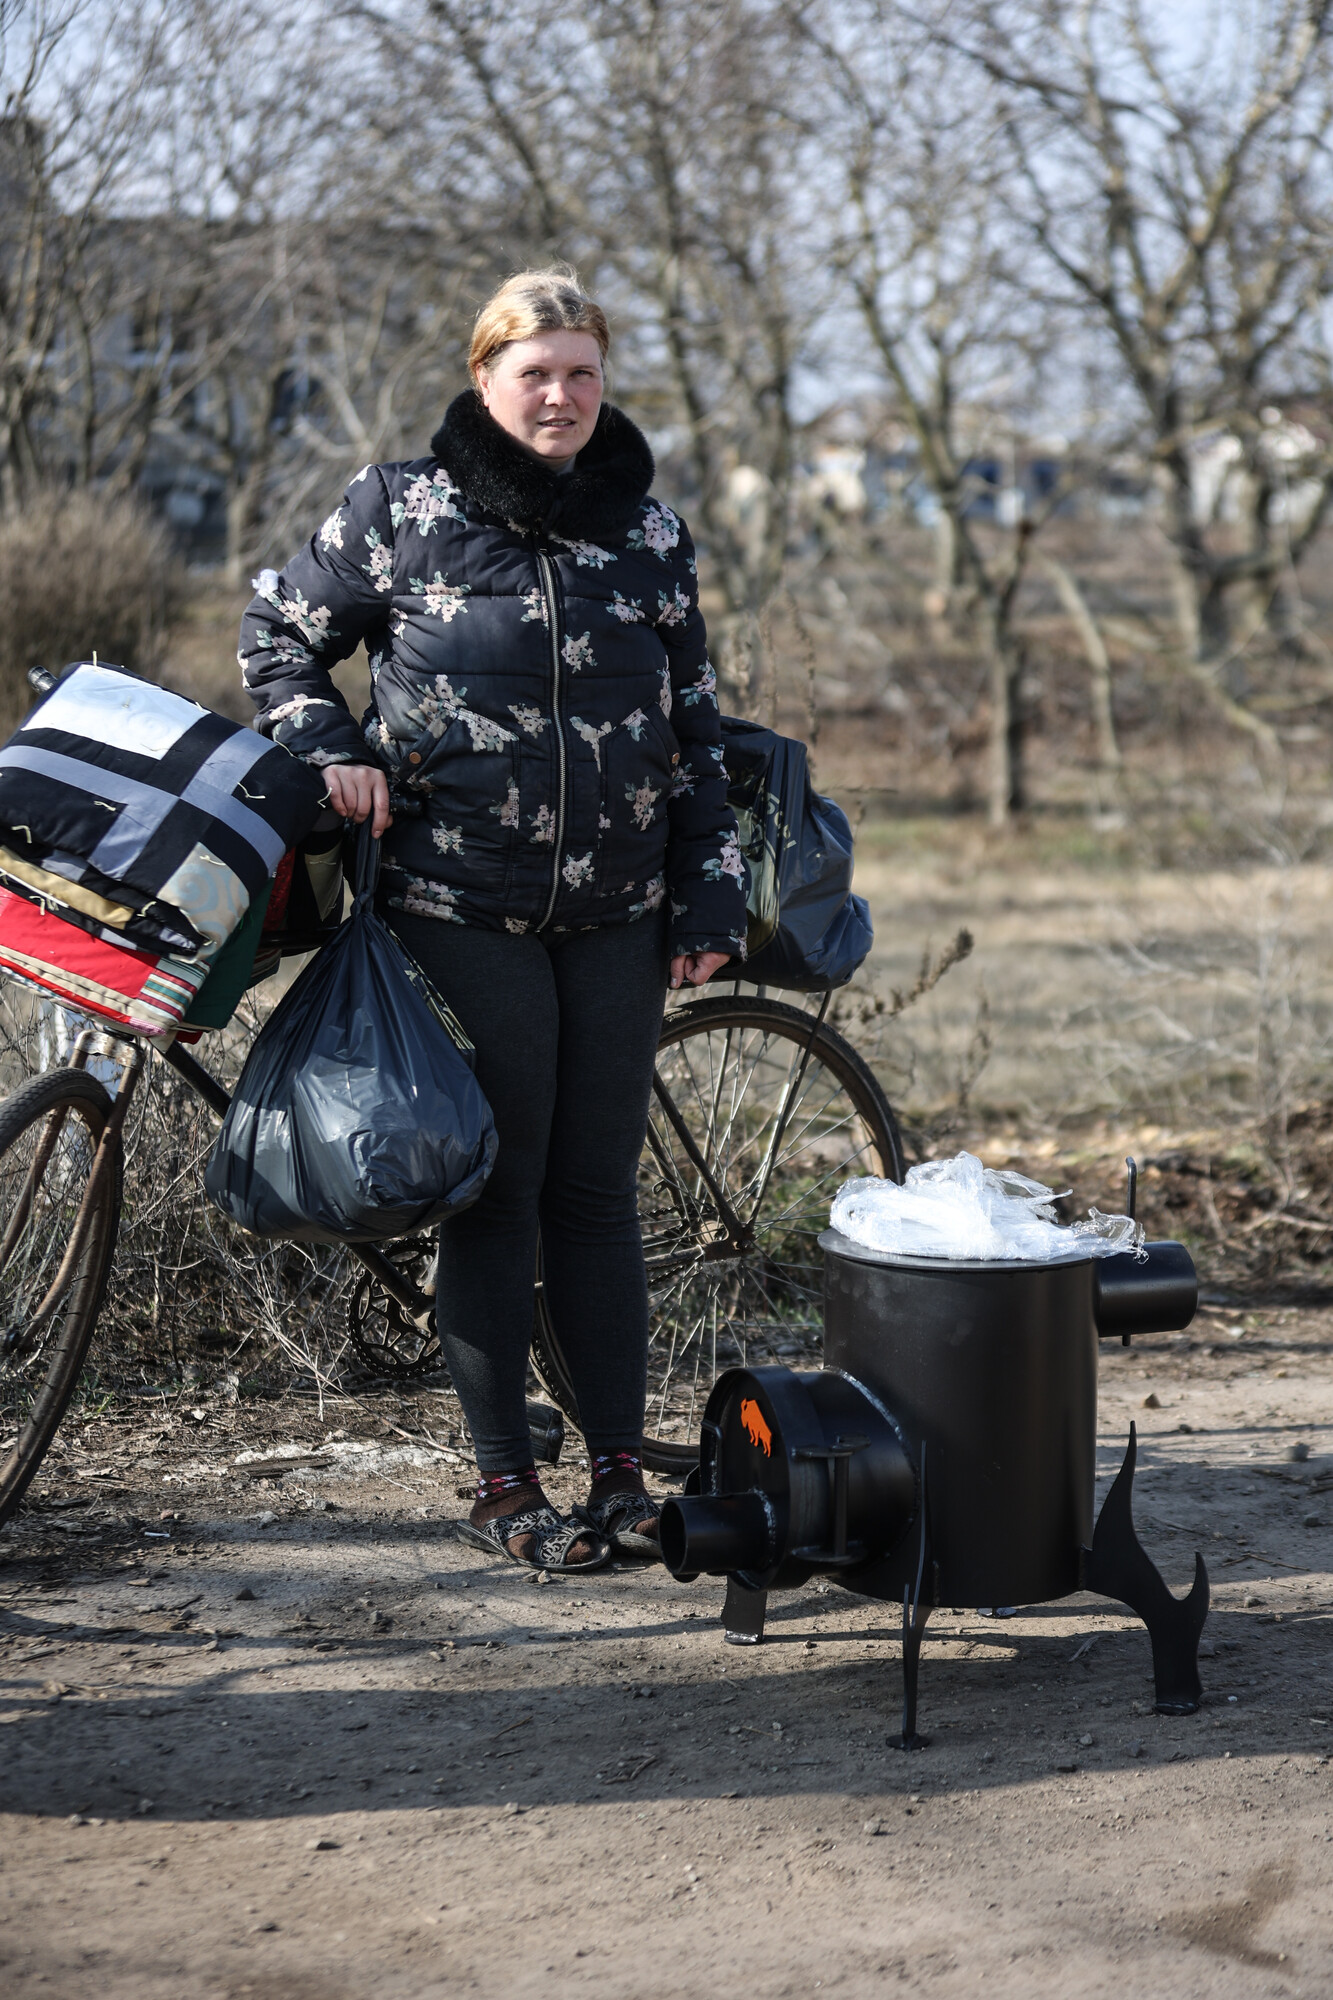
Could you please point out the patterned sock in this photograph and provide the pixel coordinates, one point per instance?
(605, 1463)
(493, 1485)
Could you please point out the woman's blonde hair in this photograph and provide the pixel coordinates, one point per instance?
(533, 302)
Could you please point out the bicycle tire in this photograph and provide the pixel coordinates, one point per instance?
(880, 1152)
(38, 1391)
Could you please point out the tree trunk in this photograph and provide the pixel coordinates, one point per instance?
(9, 481)
(1016, 739)
(1007, 790)
(732, 647)
(948, 558)
(240, 527)
(1185, 579)
(1286, 618)
(1099, 664)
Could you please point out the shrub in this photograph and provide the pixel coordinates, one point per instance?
(81, 572)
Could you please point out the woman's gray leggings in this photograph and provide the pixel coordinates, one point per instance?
(566, 1030)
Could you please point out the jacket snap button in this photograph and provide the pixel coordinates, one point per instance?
(414, 756)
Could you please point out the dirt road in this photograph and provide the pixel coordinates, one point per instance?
(300, 1743)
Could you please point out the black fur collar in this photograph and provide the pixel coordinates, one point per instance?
(597, 499)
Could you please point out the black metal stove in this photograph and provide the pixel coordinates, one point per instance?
(945, 1453)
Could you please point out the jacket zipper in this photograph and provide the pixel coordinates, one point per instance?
(548, 592)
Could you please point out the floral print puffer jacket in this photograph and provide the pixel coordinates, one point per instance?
(543, 701)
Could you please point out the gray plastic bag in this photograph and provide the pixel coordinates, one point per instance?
(357, 1117)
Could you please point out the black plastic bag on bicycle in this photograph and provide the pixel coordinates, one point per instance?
(807, 932)
(357, 1117)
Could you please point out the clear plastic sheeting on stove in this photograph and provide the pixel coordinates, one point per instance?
(963, 1210)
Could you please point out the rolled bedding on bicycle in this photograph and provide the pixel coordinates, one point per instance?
(139, 835)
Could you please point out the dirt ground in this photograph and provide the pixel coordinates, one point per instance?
(279, 1734)
(287, 1737)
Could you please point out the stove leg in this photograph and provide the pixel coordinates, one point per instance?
(914, 1628)
(1117, 1565)
(743, 1614)
(917, 1607)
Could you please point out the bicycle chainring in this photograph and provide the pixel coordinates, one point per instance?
(385, 1338)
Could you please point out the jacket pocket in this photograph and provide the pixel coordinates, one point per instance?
(470, 779)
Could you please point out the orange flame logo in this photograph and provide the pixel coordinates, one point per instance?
(756, 1429)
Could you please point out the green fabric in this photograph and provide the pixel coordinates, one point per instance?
(215, 1002)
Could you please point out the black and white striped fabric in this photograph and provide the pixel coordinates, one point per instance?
(144, 817)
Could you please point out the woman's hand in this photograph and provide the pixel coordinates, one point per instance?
(360, 791)
(692, 968)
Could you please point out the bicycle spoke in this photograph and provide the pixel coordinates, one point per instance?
(668, 1374)
(815, 1115)
(757, 1139)
(711, 1319)
(34, 1250)
(734, 1109)
(840, 1172)
(820, 1128)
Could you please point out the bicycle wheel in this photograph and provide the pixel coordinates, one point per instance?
(57, 1237)
(760, 1114)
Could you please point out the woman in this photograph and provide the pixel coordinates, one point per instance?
(545, 757)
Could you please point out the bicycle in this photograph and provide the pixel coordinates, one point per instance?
(759, 1111)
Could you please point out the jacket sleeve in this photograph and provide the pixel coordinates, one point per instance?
(705, 873)
(316, 611)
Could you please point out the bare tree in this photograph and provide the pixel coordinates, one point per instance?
(1181, 202)
(654, 143)
(708, 240)
(80, 83)
(239, 212)
(925, 248)
(295, 317)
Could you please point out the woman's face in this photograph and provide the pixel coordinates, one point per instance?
(546, 393)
